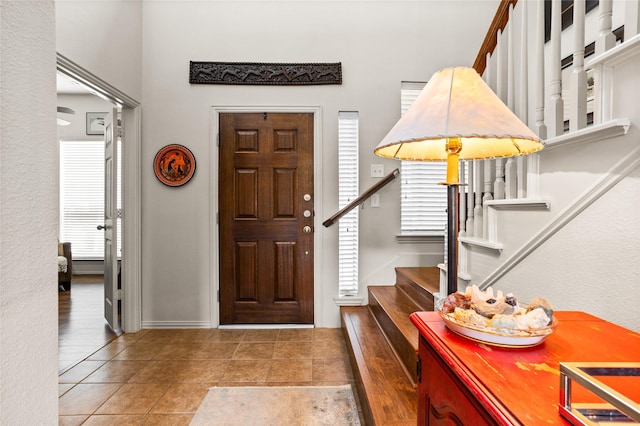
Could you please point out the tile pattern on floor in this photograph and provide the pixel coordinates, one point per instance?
(161, 376)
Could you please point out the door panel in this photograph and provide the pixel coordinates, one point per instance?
(266, 240)
(110, 226)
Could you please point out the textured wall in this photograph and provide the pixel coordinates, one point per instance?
(28, 215)
(591, 264)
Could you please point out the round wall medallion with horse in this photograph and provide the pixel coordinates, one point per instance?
(174, 165)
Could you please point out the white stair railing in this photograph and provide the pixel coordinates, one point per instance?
(507, 67)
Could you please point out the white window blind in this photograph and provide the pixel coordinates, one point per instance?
(423, 202)
(82, 197)
(347, 192)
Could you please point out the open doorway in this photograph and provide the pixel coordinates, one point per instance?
(82, 329)
(81, 157)
(82, 98)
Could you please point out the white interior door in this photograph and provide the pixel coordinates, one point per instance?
(110, 227)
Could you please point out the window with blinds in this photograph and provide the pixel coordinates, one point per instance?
(82, 197)
(423, 201)
(347, 192)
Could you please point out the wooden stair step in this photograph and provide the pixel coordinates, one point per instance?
(420, 283)
(391, 307)
(387, 396)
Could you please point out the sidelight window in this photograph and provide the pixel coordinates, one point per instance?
(347, 192)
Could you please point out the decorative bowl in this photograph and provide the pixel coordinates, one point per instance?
(512, 338)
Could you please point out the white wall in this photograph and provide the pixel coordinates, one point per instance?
(379, 44)
(103, 37)
(28, 208)
(591, 264)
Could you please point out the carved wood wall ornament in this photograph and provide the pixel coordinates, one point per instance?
(268, 74)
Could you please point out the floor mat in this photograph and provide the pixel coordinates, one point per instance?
(271, 406)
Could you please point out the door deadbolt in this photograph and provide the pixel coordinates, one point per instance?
(306, 229)
(307, 213)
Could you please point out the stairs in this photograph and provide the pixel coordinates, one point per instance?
(383, 345)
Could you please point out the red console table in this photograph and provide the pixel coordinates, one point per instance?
(470, 383)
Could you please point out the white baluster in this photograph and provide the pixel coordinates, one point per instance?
(510, 62)
(502, 56)
(519, 188)
(578, 104)
(470, 195)
(487, 196)
(557, 105)
(606, 39)
(498, 184)
(521, 172)
(477, 209)
(631, 18)
(532, 160)
(462, 200)
(509, 181)
(523, 99)
(501, 90)
(488, 69)
(541, 127)
(511, 178)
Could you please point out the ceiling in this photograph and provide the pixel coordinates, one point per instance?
(65, 85)
(68, 86)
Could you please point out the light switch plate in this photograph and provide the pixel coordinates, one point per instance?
(377, 170)
(375, 200)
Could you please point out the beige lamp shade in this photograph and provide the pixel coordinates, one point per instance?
(456, 104)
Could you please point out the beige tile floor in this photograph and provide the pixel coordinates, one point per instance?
(158, 377)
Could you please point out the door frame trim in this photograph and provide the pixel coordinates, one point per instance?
(214, 248)
(131, 189)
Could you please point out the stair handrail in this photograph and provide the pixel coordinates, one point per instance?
(490, 41)
(361, 198)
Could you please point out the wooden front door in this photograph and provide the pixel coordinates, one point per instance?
(266, 218)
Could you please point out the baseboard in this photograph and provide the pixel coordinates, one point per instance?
(262, 326)
(88, 267)
(176, 324)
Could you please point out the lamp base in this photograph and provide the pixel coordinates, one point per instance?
(452, 238)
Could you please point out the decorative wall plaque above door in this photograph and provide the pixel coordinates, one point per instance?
(267, 74)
